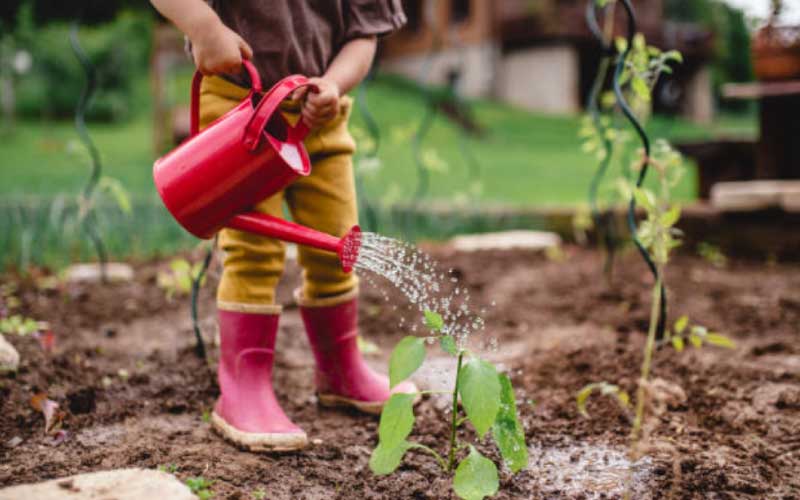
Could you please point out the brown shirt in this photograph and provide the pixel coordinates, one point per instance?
(303, 36)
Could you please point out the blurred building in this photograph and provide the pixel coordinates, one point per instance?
(539, 54)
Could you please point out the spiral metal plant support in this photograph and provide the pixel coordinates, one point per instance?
(605, 225)
(87, 216)
(645, 140)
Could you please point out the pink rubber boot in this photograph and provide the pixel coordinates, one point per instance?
(343, 377)
(247, 412)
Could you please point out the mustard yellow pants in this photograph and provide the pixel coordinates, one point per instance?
(324, 200)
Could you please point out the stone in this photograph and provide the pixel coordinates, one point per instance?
(506, 240)
(90, 273)
(120, 484)
(9, 357)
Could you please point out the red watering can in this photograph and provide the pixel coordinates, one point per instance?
(215, 177)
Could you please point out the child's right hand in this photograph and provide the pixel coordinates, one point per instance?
(219, 50)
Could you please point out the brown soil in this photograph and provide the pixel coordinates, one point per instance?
(560, 326)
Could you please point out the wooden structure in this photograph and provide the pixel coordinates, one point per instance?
(778, 149)
(501, 46)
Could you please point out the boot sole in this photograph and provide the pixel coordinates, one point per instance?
(258, 442)
(368, 407)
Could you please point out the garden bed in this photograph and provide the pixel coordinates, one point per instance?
(559, 326)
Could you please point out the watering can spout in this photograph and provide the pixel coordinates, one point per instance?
(347, 247)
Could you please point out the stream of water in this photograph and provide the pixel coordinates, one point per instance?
(427, 287)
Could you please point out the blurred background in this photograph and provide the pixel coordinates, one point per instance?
(469, 122)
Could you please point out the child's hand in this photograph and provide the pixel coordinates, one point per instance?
(219, 50)
(321, 106)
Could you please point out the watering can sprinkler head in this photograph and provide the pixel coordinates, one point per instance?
(212, 180)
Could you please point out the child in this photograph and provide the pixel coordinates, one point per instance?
(332, 41)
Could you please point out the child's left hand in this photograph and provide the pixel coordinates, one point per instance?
(321, 106)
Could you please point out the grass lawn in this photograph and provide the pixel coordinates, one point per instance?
(525, 158)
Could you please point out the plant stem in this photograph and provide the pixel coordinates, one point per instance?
(433, 452)
(454, 423)
(648, 358)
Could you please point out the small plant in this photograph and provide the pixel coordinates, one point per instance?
(201, 487)
(259, 494)
(658, 235)
(712, 254)
(180, 277)
(168, 468)
(488, 402)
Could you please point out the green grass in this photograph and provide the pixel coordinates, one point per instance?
(525, 159)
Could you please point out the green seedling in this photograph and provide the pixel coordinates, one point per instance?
(201, 487)
(259, 494)
(168, 468)
(20, 325)
(658, 234)
(178, 280)
(712, 254)
(488, 402)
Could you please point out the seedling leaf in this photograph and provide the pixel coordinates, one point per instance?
(720, 340)
(433, 320)
(479, 387)
(448, 345)
(406, 358)
(640, 87)
(507, 430)
(681, 324)
(581, 398)
(476, 477)
(678, 344)
(385, 460)
(397, 420)
(671, 217)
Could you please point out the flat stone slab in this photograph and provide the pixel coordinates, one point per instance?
(506, 240)
(756, 195)
(90, 273)
(9, 357)
(121, 484)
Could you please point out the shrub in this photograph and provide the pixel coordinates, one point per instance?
(119, 51)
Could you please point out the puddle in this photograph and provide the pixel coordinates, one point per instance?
(586, 471)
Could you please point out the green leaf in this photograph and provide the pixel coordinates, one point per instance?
(645, 198)
(406, 358)
(507, 430)
(476, 477)
(641, 88)
(681, 324)
(696, 340)
(606, 389)
(433, 320)
(673, 55)
(448, 345)
(677, 343)
(480, 393)
(671, 217)
(118, 192)
(720, 340)
(582, 397)
(385, 460)
(397, 420)
(621, 44)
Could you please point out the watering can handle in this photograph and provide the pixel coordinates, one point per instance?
(194, 127)
(269, 105)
